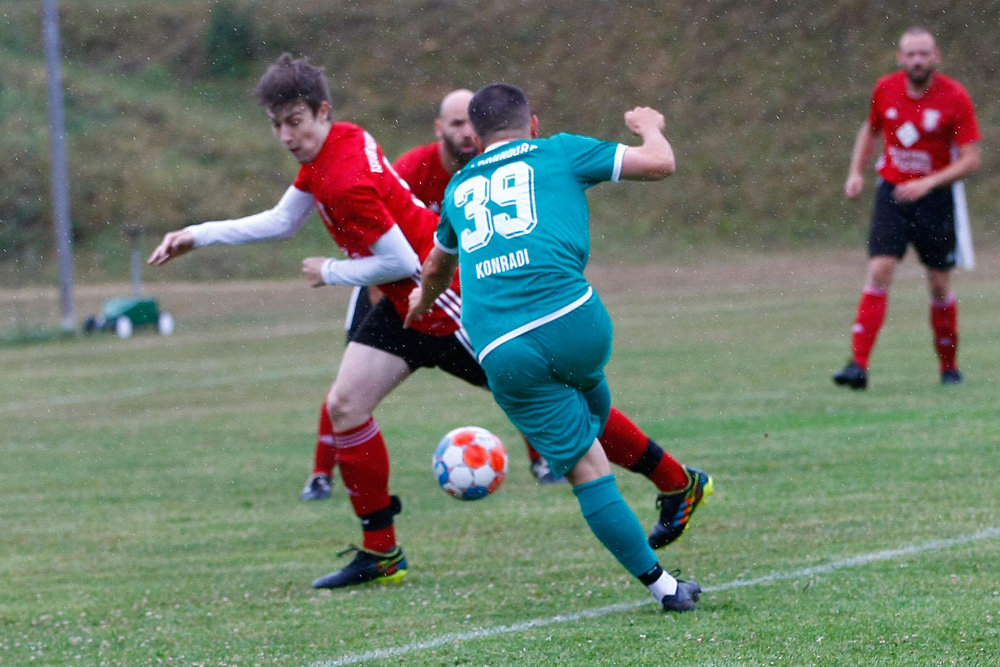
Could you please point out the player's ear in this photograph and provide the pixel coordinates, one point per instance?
(479, 143)
(534, 127)
(324, 111)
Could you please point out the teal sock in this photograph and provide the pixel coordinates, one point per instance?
(615, 525)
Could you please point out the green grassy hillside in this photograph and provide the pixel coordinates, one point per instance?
(763, 100)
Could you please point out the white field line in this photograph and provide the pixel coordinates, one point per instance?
(854, 561)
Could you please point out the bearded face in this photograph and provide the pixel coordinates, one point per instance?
(918, 57)
(462, 147)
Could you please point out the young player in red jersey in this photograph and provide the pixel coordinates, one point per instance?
(385, 232)
(427, 169)
(930, 141)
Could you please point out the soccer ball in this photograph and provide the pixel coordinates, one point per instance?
(470, 463)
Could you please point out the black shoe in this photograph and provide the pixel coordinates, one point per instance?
(952, 376)
(318, 487)
(852, 376)
(684, 598)
(543, 473)
(676, 508)
(367, 566)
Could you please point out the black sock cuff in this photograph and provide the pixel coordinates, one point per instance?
(650, 458)
(382, 519)
(651, 576)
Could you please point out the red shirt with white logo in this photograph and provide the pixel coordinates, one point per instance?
(360, 197)
(920, 134)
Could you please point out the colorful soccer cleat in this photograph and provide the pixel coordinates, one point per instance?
(383, 568)
(676, 508)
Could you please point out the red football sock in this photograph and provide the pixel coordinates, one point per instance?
(364, 468)
(325, 457)
(944, 322)
(533, 454)
(867, 324)
(627, 446)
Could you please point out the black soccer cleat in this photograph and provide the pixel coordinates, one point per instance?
(676, 508)
(852, 376)
(319, 486)
(684, 597)
(952, 376)
(384, 568)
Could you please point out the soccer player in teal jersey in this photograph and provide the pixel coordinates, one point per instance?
(515, 222)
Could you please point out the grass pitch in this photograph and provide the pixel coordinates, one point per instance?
(150, 511)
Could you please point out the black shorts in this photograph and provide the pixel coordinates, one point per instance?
(928, 224)
(357, 310)
(383, 329)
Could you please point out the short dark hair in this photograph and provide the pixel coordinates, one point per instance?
(498, 107)
(292, 79)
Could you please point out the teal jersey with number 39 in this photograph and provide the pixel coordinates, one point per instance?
(517, 216)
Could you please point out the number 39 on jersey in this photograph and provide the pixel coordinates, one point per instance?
(503, 204)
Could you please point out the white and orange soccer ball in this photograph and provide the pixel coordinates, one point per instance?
(470, 463)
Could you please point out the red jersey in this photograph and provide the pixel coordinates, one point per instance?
(920, 134)
(423, 171)
(360, 197)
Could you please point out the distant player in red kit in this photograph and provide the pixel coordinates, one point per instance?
(930, 141)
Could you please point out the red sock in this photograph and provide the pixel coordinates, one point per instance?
(944, 322)
(533, 454)
(867, 324)
(364, 468)
(627, 446)
(325, 457)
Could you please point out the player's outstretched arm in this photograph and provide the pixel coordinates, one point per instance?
(392, 259)
(174, 244)
(280, 222)
(436, 274)
(653, 160)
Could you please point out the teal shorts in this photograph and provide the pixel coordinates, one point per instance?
(550, 382)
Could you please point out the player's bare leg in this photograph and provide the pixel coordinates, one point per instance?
(366, 376)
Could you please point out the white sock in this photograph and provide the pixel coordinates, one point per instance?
(662, 587)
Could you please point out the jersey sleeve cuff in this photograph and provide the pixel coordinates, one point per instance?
(616, 172)
(444, 248)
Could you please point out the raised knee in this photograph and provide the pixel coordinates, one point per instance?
(337, 404)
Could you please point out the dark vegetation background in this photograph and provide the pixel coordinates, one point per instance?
(762, 98)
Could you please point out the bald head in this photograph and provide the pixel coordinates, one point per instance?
(455, 135)
(916, 31)
(455, 103)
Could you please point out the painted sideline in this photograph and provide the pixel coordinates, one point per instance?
(854, 561)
